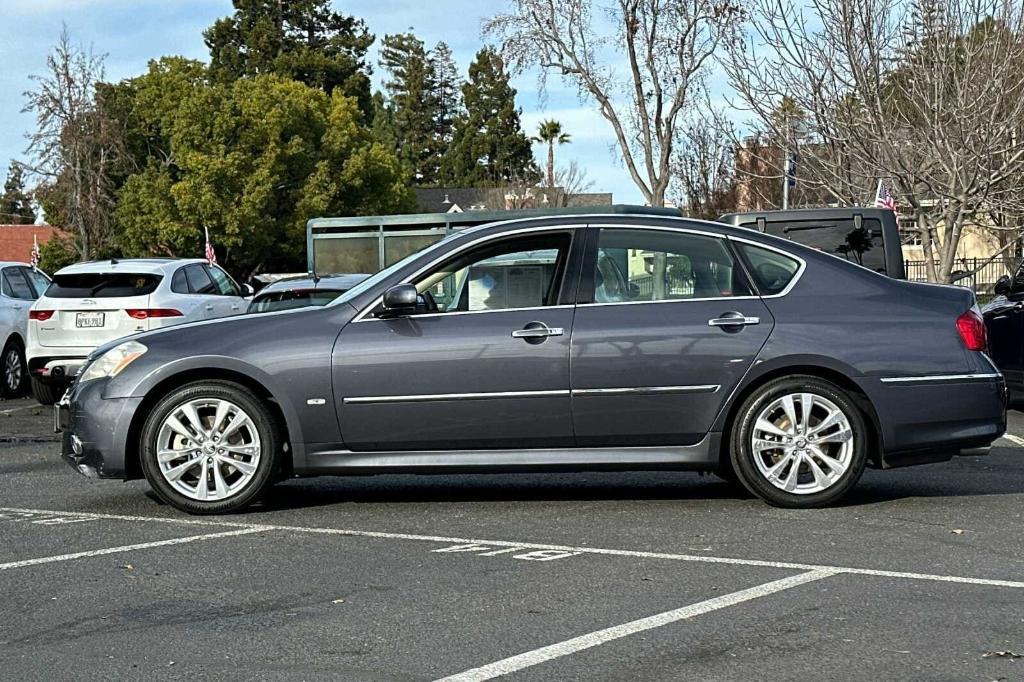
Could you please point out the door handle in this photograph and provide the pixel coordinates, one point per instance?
(733, 319)
(536, 332)
(209, 307)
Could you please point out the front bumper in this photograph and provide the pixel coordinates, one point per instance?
(95, 430)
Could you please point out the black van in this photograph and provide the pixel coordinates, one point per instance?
(866, 236)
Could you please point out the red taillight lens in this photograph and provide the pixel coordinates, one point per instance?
(146, 313)
(40, 315)
(972, 330)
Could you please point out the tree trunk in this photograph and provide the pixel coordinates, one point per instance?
(551, 163)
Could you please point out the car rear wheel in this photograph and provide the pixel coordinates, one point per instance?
(13, 372)
(798, 442)
(210, 447)
(47, 394)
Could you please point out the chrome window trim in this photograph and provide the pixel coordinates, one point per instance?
(362, 315)
(715, 235)
(647, 390)
(429, 397)
(939, 377)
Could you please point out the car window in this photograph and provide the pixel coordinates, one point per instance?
(225, 285)
(38, 280)
(862, 244)
(771, 270)
(658, 265)
(179, 283)
(295, 298)
(16, 286)
(511, 273)
(199, 281)
(102, 285)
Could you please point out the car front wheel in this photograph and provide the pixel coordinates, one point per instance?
(13, 372)
(799, 442)
(210, 447)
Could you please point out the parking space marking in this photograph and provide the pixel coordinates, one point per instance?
(17, 409)
(638, 554)
(126, 548)
(1016, 440)
(592, 639)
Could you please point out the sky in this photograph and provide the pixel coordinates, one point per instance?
(131, 32)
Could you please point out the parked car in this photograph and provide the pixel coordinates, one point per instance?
(299, 292)
(869, 237)
(1004, 319)
(654, 343)
(20, 284)
(89, 304)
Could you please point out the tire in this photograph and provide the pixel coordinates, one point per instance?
(13, 370)
(47, 394)
(222, 466)
(812, 468)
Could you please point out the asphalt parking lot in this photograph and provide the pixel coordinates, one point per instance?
(654, 576)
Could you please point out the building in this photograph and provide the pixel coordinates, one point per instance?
(16, 240)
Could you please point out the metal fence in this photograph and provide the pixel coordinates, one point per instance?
(981, 281)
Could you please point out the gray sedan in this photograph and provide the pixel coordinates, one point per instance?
(611, 342)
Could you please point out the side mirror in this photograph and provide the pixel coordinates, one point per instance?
(247, 291)
(1002, 287)
(400, 300)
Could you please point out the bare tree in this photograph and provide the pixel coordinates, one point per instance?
(706, 166)
(927, 95)
(668, 47)
(569, 181)
(75, 147)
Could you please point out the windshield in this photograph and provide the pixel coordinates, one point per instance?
(374, 280)
(289, 299)
(102, 285)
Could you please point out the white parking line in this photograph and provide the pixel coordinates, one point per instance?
(125, 548)
(17, 409)
(1016, 440)
(592, 639)
(639, 554)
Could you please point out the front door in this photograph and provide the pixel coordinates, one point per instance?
(670, 329)
(484, 365)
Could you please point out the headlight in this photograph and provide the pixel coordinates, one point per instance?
(113, 361)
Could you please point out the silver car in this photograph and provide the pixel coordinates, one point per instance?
(20, 284)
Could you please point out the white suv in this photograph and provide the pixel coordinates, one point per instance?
(89, 304)
(19, 286)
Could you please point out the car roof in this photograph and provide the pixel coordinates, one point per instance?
(9, 263)
(148, 266)
(306, 282)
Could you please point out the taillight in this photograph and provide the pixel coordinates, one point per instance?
(147, 313)
(40, 315)
(972, 330)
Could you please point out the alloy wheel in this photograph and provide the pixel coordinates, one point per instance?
(208, 449)
(12, 371)
(802, 443)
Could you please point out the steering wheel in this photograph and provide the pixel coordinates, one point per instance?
(429, 304)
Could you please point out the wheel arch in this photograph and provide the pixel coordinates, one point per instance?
(827, 370)
(16, 337)
(132, 459)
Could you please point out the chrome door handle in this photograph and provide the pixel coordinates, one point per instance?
(537, 330)
(209, 307)
(735, 320)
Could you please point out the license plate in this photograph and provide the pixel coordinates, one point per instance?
(88, 320)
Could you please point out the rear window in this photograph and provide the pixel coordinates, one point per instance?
(772, 271)
(863, 245)
(287, 300)
(102, 285)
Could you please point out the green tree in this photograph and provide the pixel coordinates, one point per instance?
(304, 40)
(412, 105)
(16, 204)
(57, 253)
(489, 146)
(252, 161)
(447, 93)
(550, 133)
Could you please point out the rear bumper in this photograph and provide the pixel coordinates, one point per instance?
(95, 430)
(937, 418)
(56, 364)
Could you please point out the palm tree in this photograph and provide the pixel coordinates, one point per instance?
(551, 133)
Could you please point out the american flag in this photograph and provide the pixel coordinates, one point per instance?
(211, 255)
(35, 253)
(884, 198)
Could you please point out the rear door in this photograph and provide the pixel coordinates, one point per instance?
(93, 308)
(16, 296)
(202, 291)
(229, 300)
(666, 327)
